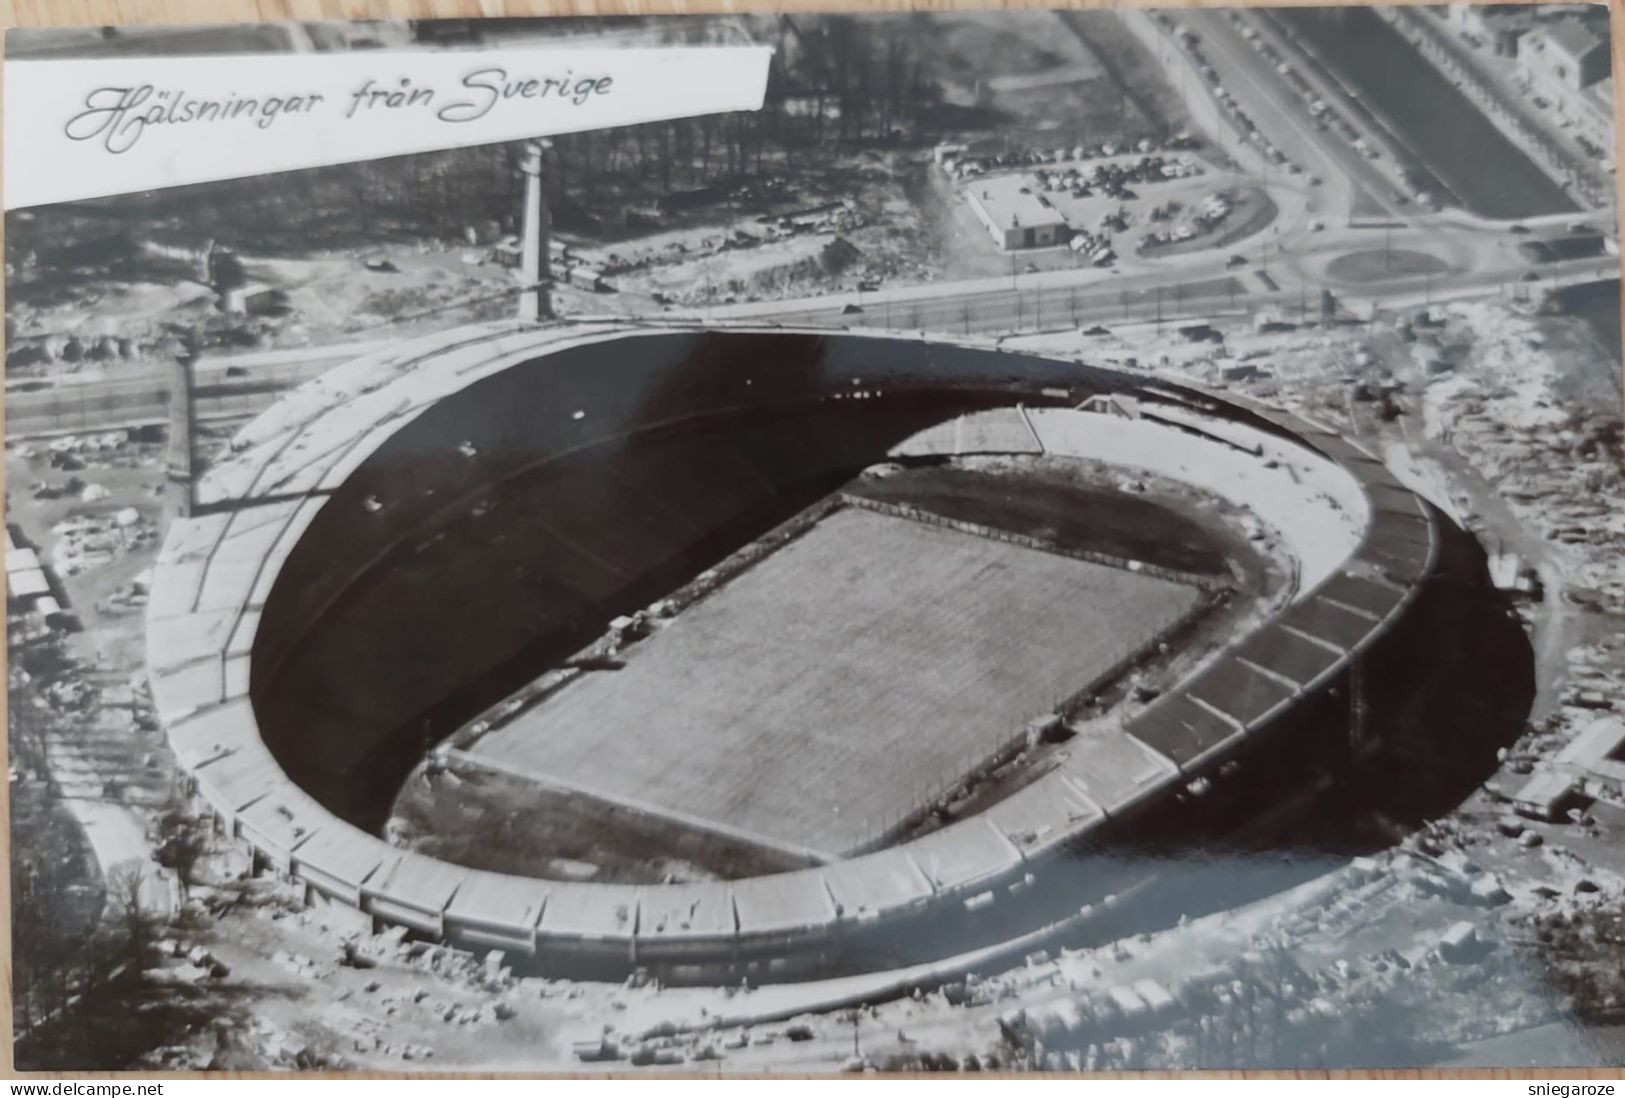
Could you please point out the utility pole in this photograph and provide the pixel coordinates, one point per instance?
(535, 264)
(855, 1016)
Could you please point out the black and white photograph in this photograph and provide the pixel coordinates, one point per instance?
(817, 543)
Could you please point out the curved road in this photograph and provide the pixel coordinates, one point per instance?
(1189, 288)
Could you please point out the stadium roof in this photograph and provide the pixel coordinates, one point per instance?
(204, 613)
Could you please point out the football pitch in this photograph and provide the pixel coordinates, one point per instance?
(831, 688)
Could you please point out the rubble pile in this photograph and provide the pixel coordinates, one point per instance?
(85, 542)
(129, 598)
(1596, 680)
(103, 449)
(1559, 467)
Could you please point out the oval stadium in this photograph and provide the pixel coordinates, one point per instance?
(762, 654)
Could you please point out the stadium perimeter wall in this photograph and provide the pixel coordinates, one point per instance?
(957, 885)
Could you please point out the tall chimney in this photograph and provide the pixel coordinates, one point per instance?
(535, 269)
(181, 460)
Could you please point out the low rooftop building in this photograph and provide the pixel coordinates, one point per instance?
(1564, 58)
(1596, 758)
(1016, 213)
(1545, 796)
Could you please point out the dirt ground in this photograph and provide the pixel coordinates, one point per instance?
(469, 813)
(869, 229)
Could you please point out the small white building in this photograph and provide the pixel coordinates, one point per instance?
(1112, 404)
(1563, 58)
(1596, 757)
(253, 299)
(1016, 214)
(1566, 63)
(1459, 944)
(1545, 796)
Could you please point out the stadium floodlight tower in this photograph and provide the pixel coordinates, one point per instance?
(535, 267)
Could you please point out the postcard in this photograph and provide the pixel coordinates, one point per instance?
(817, 543)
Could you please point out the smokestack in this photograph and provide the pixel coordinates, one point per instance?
(181, 460)
(535, 269)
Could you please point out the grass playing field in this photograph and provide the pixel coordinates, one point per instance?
(828, 690)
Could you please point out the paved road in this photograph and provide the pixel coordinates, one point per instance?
(229, 385)
(1553, 619)
(1051, 301)
(1437, 471)
(1276, 107)
(100, 404)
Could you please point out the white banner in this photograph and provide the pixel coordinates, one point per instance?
(86, 128)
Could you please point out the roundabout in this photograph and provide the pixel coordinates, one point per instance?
(1380, 265)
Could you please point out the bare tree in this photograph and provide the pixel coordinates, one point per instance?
(183, 841)
(134, 922)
